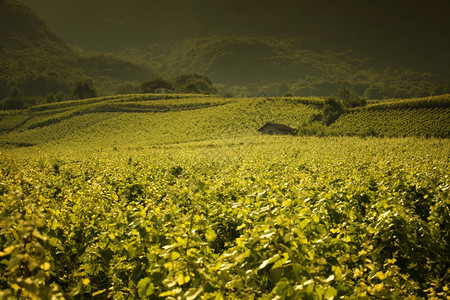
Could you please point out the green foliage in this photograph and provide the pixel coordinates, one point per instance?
(313, 128)
(250, 67)
(33, 58)
(349, 99)
(193, 83)
(17, 101)
(152, 86)
(183, 84)
(38, 62)
(150, 119)
(427, 117)
(259, 218)
(169, 118)
(101, 65)
(332, 110)
(442, 101)
(14, 101)
(426, 122)
(98, 199)
(84, 90)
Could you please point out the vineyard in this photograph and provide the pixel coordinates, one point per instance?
(426, 122)
(426, 117)
(133, 197)
(146, 120)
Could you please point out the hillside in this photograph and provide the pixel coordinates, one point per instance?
(32, 56)
(426, 117)
(398, 50)
(251, 218)
(149, 120)
(246, 66)
(158, 196)
(146, 120)
(403, 34)
(36, 61)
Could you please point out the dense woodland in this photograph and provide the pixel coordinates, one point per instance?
(271, 66)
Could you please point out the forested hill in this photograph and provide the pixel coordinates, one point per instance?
(390, 52)
(35, 61)
(21, 27)
(270, 66)
(410, 34)
(32, 57)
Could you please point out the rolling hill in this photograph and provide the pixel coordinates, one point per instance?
(149, 120)
(426, 117)
(32, 57)
(145, 120)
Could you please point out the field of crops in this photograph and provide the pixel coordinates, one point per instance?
(423, 117)
(241, 218)
(425, 122)
(180, 197)
(146, 120)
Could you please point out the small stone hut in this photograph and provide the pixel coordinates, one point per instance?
(274, 128)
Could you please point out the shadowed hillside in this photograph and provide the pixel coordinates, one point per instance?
(32, 57)
(303, 48)
(270, 66)
(36, 61)
(403, 33)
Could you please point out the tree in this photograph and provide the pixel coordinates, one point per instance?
(332, 110)
(152, 86)
(373, 92)
(14, 101)
(194, 83)
(60, 96)
(349, 98)
(84, 90)
(184, 83)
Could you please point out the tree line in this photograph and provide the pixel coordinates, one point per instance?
(181, 84)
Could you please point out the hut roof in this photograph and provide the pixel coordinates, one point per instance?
(281, 127)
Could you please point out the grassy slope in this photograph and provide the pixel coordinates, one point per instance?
(413, 117)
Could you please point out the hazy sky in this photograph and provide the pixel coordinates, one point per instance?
(118, 24)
